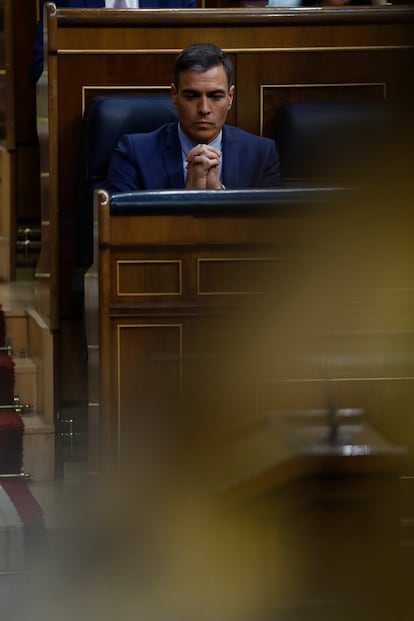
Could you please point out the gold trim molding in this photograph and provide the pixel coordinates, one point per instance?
(119, 327)
(229, 260)
(177, 262)
(235, 50)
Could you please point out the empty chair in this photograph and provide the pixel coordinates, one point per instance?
(330, 140)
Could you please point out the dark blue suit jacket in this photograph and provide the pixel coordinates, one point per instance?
(36, 67)
(153, 161)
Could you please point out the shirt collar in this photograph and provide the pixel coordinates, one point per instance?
(130, 4)
(187, 144)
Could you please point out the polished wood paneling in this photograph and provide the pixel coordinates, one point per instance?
(21, 203)
(2, 75)
(191, 273)
(20, 96)
(147, 374)
(142, 277)
(228, 276)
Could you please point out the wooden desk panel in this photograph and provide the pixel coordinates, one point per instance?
(277, 56)
(166, 296)
(240, 318)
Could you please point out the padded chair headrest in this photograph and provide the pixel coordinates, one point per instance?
(105, 121)
(108, 118)
(321, 140)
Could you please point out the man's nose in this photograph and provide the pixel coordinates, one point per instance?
(204, 105)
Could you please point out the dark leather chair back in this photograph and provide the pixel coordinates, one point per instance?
(105, 120)
(326, 141)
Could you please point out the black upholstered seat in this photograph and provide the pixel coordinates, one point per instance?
(106, 119)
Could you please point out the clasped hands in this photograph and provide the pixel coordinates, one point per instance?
(203, 168)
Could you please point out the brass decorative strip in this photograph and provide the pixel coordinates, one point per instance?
(112, 51)
(93, 405)
(42, 275)
(237, 50)
(337, 379)
(45, 222)
(17, 405)
(323, 84)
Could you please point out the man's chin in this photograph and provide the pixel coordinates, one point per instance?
(203, 134)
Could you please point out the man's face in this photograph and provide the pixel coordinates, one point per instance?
(202, 101)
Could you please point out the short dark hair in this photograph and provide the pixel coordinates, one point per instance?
(201, 57)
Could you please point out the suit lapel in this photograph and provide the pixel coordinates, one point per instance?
(171, 157)
(231, 161)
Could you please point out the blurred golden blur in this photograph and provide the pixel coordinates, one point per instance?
(221, 510)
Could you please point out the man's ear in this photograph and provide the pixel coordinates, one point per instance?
(231, 94)
(174, 93)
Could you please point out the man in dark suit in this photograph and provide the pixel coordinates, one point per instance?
(200, 151)
(36, 67)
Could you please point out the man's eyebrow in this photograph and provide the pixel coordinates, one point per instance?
(193, 91)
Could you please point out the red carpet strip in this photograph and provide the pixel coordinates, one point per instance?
(22, 531)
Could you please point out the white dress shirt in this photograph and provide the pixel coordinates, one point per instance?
(130, 4)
